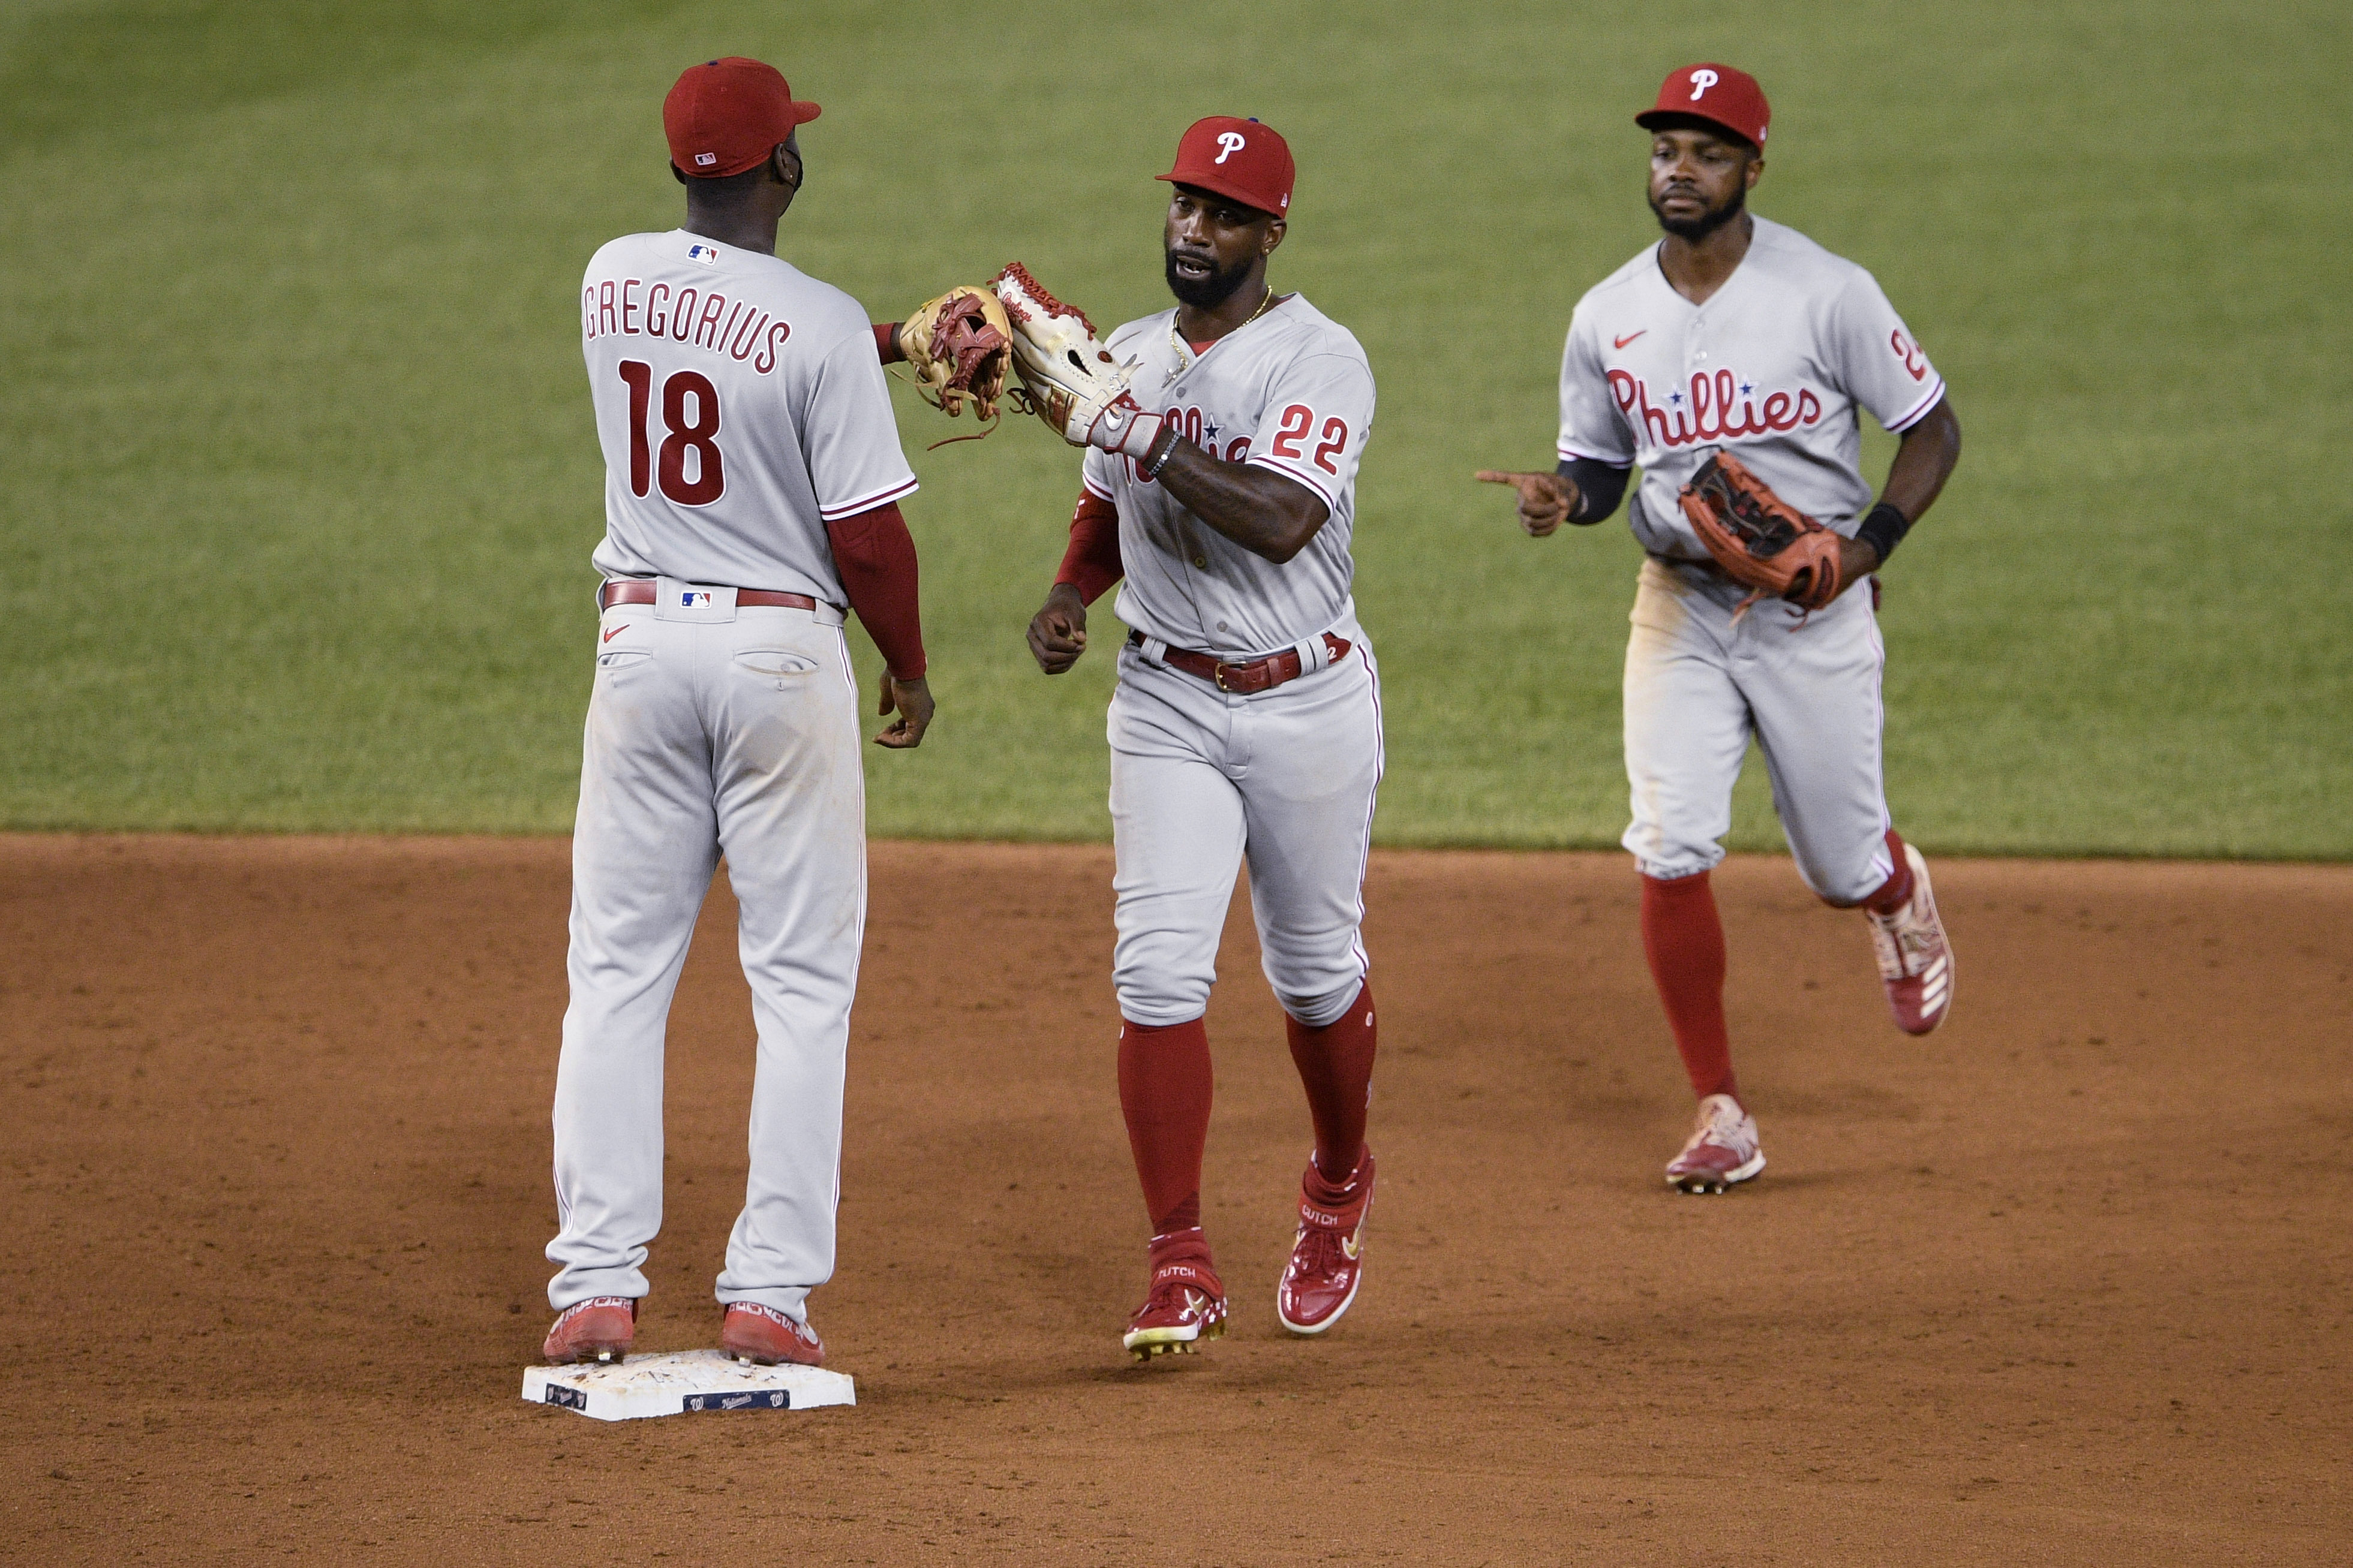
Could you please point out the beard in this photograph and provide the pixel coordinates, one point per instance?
(1206, 293)
(1698, 228)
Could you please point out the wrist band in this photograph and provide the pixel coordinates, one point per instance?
(1883, 530)
(1166, 442)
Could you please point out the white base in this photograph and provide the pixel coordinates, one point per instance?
(683, 1381)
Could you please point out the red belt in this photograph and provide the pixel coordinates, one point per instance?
(636, 591)
(1244, 680)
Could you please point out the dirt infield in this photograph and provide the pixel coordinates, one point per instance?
(2067, 1282)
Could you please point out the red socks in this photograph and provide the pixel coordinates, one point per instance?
(1894, 891)
(1163, 1093)
(1682, 937)
(1335, 1065)
(1164, 1084)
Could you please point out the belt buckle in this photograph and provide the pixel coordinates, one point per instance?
(1218, 676)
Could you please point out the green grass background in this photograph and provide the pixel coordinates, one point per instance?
(297, 482)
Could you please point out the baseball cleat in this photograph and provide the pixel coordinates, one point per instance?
(600, 1329)
(1327, 1254)
(1186, 1303)
(765, 1336)
(1916, 960)
(1722, 1149)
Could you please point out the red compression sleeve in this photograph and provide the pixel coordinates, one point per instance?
(1091, 564)
(1682, 936)
(886, 343)
(1896, 891)
(876, 557)
(1335, 1066)
(1165, 1085)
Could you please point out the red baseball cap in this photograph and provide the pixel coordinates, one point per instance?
(724, 117)
(1717, 94)
(1237, 158)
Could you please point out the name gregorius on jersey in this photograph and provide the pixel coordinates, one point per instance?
(704, 318)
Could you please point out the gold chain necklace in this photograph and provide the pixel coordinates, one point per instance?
(1185, 361)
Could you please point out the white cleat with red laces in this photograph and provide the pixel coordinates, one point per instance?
(1722, 1149)
(1916, 960)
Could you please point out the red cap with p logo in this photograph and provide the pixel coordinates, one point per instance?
(1715, 93)
(1238, 158)
(724, 117)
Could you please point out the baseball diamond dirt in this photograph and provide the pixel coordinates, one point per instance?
(2066, 1282)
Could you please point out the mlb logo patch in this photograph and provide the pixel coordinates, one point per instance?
(694, 599)
(705, 159)
(706, 254)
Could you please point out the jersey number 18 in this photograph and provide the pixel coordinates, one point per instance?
(700, 437)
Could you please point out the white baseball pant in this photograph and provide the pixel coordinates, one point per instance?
(1201, 778)
(1699, 683)
(730, 732)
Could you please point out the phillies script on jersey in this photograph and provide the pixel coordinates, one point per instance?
(704, 318)
(1706, 412)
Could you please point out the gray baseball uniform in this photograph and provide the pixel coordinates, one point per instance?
(1774, 365)
(741, 406)
(1202, 777)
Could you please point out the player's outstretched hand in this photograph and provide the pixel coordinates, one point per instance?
(911, 700)
(1057, 633)
(1546, 499)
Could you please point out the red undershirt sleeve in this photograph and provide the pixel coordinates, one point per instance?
(1091, 564)
(886, 343)
(875, 557)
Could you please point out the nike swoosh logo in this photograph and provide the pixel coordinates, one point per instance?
(1630, 337)
(616, 631)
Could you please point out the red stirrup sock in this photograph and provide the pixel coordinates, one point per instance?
(1163, 1093)
(1335, 1065)
(1897, 889)
(1683, 938)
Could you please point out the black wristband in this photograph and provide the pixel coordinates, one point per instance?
(1883, 530)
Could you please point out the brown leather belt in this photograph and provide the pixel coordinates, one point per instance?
(1244, 680)
(637, 590)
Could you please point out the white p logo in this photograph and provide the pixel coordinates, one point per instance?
(1701, 81)
(1228, 144)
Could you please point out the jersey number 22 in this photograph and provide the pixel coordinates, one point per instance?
(701, 437)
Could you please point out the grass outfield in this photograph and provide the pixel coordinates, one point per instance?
(300, 481)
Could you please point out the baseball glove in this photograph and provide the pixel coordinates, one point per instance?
(1759, 538)
(1071, 380)
(961, 346)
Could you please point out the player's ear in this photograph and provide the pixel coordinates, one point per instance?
(1274, 233)
(1755, 172)
(680, 175)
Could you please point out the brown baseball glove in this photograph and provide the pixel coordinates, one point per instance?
(1759, 538)
(961, 347)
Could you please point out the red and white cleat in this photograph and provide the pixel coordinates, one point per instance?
(765, 1336)
(601, 1329)
(1327, 1255)
(1916, 960)
(1722, 1149)
(1186, 1303)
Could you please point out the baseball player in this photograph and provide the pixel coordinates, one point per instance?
(1247, 719)
(1734, 334)
(752, 472)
